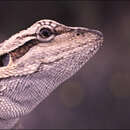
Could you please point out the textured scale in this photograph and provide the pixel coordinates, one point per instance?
(41, 67)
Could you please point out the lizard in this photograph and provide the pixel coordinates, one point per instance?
(35, 61)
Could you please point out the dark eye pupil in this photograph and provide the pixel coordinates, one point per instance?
(45, 32)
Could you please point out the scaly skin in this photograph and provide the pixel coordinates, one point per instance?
(40, 59)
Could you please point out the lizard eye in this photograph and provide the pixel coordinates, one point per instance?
(45, 34)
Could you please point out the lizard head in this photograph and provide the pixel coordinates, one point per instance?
(48, 45)
(35, 61)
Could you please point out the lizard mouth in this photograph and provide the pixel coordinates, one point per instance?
(17, 53)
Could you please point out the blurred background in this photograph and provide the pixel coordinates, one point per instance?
(98, 96)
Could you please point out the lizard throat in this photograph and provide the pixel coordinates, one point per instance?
(17, 53)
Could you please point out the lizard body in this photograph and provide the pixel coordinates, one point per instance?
(37, 60)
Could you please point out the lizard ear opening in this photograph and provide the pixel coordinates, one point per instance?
(4, 60)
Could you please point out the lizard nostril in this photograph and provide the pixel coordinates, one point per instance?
(77, 33)
(80, 32)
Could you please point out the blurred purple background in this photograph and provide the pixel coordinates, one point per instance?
(98, 96)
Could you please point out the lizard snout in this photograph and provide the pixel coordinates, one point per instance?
(98, 33)
(83, 31)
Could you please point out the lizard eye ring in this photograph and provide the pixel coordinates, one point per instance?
(45, 34)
